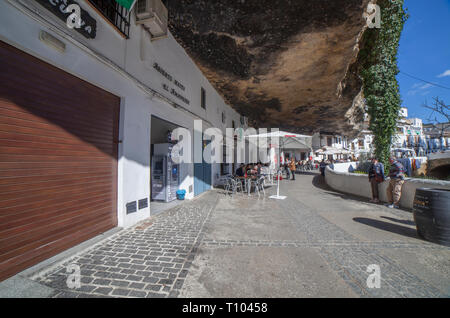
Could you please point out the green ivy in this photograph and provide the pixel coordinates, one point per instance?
(378, 70)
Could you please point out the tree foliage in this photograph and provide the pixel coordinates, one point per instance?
(379, 68)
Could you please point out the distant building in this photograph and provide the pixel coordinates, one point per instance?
(410, 135)
(437, 136)
(330, 146)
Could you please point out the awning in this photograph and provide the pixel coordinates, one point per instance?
(286, 140)
(128, 4)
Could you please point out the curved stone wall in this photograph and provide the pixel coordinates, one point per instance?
(341, 180)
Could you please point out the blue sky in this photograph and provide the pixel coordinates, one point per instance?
(425, 53)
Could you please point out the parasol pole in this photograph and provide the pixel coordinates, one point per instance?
(279, 173)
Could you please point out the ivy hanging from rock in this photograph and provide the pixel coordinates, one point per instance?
(378, 69)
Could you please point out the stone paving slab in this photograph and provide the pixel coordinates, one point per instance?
(268, 272)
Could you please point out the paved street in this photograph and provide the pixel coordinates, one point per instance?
(316, 243)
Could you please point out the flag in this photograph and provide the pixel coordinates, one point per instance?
(128, 4)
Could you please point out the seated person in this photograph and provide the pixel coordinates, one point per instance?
(258, 169)
(240, 171)
(253, 169)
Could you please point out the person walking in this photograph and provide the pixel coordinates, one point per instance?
(376, 176)
(394, 190)
(293, 168)
(322, 166)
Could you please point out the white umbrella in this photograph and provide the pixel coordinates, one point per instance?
(285, 140)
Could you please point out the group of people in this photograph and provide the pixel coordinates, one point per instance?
(245, 170)
(323, 165)
(376, 176)
(397, 179)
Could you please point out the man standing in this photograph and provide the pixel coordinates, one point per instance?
(293, 168)
(286, 168)
(323, 165)
(394, 190)
(376, 176)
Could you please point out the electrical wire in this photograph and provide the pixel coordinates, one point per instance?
(419, 79)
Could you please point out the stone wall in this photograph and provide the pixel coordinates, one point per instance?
(343, 181)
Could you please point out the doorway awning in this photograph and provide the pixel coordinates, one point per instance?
(286, 140)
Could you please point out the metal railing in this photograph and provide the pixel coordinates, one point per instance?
(115, 13)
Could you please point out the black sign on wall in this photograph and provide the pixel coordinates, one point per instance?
(88, 24)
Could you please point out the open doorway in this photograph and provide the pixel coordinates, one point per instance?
(166, 177)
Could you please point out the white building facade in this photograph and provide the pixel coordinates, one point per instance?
(331, 146)
(150, 86)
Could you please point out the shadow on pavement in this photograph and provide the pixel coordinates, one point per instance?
(407, 222)
(307, 173)
(389, 227)
(319, 182)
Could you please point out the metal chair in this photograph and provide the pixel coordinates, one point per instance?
(233, 185)
(259, 185)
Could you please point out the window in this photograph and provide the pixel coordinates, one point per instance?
(114, 13)
(233, 125)
(223, 117)
(329, 141)
(203, 98)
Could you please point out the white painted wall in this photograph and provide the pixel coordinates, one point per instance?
(124, 68)
(341, 180)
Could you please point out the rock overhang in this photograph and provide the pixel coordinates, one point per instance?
(291, 64)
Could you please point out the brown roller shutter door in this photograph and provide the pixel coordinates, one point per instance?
(58, 160)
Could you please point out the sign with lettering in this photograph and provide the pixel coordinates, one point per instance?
(87, 24)
(177, 83)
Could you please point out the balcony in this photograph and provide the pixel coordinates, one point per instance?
(115, 14)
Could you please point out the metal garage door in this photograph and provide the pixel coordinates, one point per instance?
(58, 160)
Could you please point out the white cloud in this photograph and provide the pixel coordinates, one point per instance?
(446, 73)
(426, 86)
(418, 88)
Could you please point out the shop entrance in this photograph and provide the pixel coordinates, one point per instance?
(165, 175)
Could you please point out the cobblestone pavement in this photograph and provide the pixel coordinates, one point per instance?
(316, 243)
(150, 260)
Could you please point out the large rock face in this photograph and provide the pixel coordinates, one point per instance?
(289, 64)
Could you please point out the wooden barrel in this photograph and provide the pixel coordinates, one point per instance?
(432, 215)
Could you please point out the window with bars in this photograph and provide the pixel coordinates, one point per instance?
(114, 13)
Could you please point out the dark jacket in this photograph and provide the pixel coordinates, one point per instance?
(376, 170)
(397, 171)
(240, 172)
